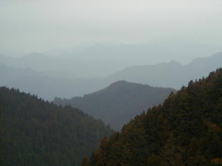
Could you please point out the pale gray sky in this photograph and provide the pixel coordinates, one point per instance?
(40, 25)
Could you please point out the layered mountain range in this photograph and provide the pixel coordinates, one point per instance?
(26, 73)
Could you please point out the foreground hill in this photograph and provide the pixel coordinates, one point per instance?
(185, 130)
(119, 102)
(34, 132)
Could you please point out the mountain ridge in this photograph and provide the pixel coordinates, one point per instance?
(62, 85)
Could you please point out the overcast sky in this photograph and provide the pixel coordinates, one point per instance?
(40, 25)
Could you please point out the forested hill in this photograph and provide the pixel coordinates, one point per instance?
(185, 131)
(38, 133)
(119, 102)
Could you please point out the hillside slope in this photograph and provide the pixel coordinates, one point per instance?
(185, 131)
(34, 132)
(119, 102)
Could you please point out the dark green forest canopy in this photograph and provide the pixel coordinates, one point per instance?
(185, 131)
(38, 133)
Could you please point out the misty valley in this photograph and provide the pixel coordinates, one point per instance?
(110, 83)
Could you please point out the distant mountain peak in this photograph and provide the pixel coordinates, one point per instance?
(122, 84)
(119, 102)
(170, 63)
(119, 83)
